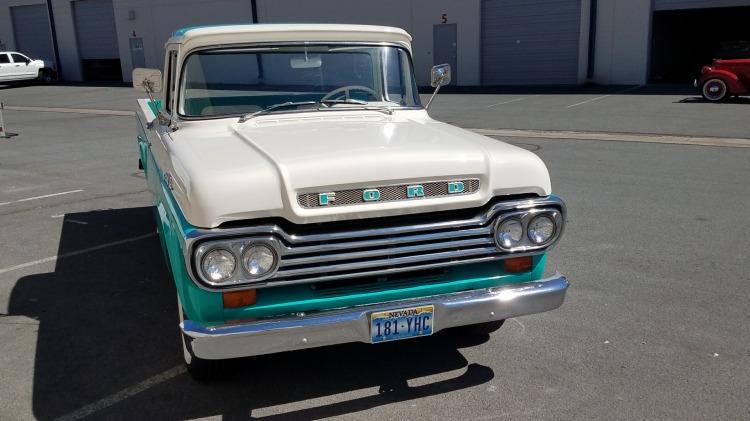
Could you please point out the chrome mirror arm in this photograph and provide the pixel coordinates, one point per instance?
(437, 88)
(162, 117)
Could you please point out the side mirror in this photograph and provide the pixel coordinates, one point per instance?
(147, 80)
(439, 76)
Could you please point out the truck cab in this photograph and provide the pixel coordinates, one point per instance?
(304, 197)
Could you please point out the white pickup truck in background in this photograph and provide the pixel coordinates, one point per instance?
(15, 67)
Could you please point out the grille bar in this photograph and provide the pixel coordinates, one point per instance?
(384, 263)
(386, 252)
(389, 271)
(388, 241)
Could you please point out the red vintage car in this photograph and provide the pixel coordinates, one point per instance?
(724, 78)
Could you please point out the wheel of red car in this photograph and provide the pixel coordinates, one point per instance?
(714, 90)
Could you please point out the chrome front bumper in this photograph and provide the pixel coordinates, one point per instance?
(353, 324)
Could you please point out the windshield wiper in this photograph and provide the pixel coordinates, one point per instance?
(343, 101)
(360, 105)
(248, 116)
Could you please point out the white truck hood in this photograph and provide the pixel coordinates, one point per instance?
(227, 171)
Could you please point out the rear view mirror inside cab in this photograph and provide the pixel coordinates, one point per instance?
(305, 62)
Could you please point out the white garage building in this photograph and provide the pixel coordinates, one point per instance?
(488, 42)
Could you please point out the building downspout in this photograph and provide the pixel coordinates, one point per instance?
(592, 40)
(55, 48)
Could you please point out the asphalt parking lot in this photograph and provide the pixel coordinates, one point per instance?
(656, 247)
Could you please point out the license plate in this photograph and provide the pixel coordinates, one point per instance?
(403, 323)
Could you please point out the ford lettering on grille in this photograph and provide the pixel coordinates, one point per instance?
(411, 191)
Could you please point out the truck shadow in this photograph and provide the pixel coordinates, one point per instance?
(108, 330)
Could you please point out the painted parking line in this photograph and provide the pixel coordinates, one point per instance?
(632, 88)
(40, 197)
(123, 394)
(76, 253)
(72, 110)
(508, 102)
(726, 142)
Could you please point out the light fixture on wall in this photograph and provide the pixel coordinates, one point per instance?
(131, 14)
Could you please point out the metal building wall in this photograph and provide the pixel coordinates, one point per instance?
(31, 31)
(530, 43)
(94, 22)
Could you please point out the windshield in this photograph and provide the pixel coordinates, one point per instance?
(239, 81)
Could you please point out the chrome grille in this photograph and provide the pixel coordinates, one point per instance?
(365, 254)
(383, 246)
(388, 193)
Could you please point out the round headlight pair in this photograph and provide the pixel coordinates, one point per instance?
(510, 233)
(219, 264)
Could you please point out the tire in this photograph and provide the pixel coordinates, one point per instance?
(714, 90)
(199, 369)
(485, 328)
(46, 77)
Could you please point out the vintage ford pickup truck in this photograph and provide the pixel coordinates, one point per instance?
(304, 197)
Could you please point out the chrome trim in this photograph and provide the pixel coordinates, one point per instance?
(390, 262)
(525, 217)
(237, 248)
(388, 251)
(420, 246)
(388, 241)
(381, 272)
(330, 327)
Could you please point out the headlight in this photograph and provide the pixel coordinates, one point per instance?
(218, 265)
(259, 259)
(541, 229)
(509, 233)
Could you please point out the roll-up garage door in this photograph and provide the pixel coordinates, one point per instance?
(530, 42)
(696, 4)
(31, 31)
(96, 35)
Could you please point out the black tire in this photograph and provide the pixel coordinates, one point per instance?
(47, 76)
(485, 328)
(199, 369)
(714, 90)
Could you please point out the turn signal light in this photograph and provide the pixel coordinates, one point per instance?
(518, 264)
(234, 299)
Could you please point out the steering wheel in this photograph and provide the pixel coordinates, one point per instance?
(335, 94)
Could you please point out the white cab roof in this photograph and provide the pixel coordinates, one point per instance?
(203, 36)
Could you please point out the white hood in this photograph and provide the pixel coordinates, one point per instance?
(229, 171)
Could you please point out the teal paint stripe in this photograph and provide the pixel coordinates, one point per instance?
(182, 31)
(296, 298)
(155, 106)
